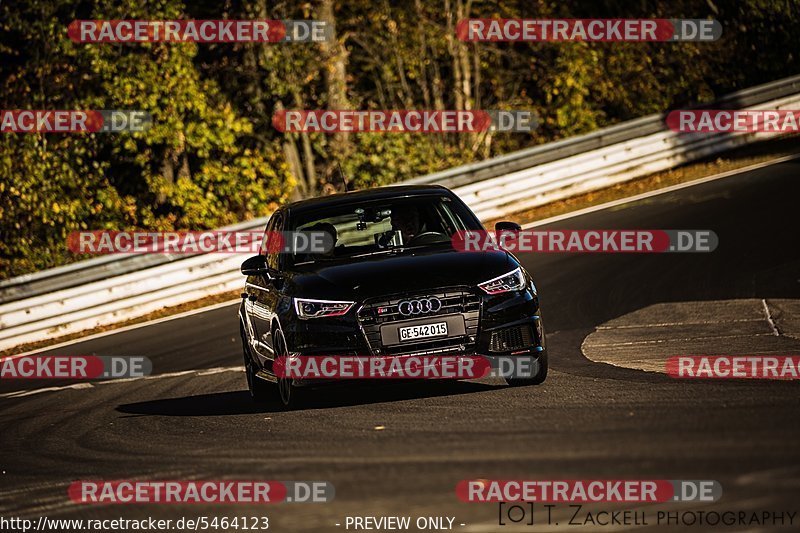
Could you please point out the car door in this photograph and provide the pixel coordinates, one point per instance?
(263, 295)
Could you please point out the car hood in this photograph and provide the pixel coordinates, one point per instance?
(415, 270)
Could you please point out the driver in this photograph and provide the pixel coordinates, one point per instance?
(407, 221)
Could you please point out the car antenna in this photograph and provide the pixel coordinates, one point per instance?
(344, 177)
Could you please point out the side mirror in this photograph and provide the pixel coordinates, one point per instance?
(507, 226)
(255, 266)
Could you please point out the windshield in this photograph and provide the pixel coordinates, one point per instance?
(386, 225)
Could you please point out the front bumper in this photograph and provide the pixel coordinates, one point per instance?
(480, 324)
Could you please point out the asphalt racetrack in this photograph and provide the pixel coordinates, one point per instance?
(399, 449)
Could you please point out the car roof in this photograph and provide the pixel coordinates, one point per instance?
(378, 193)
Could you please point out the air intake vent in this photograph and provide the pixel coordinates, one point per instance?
(510, 339)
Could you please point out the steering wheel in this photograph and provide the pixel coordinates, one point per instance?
(426, 237)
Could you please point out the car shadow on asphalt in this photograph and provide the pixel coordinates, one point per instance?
(332, 396)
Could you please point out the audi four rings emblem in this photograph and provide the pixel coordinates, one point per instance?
(419, 306)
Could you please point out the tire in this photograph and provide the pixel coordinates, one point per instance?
(289, 396)
(260, 390)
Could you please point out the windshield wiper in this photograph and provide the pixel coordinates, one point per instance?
(317, 260)
(377, 252)
(401, 248)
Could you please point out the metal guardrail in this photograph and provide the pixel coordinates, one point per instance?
(516, 191)
(626, 131)
(110, 289)
(97, 268)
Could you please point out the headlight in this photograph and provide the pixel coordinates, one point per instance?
(320, 308)
(513, 281)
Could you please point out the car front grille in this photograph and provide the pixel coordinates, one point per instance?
(375, 313)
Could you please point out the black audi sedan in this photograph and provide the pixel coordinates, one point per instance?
(392, 284)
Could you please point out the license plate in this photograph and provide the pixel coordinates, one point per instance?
(424, 330)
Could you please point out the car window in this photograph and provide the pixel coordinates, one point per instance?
(267, 230)
(374, 226)
(275, 224)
